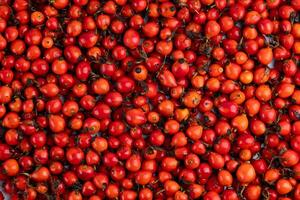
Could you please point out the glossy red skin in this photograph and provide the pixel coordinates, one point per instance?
(168, 67)
(228, 109)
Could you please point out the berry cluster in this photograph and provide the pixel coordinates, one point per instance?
(150, 99)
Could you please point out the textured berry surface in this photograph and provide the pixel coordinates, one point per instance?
(150, 99)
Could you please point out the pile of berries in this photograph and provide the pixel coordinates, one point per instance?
(150, 99)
